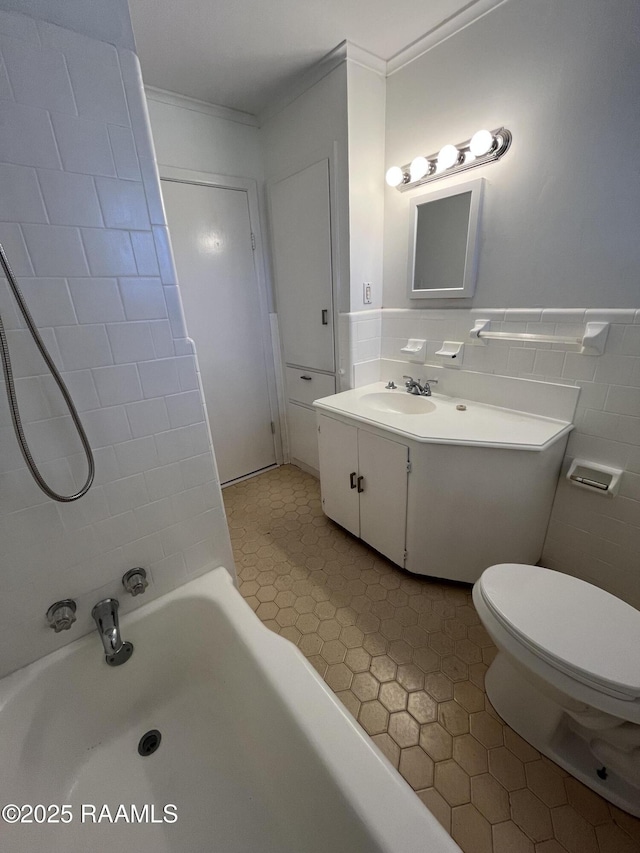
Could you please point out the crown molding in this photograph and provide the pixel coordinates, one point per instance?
(309, 78)
(474, 10)
(360, 56)
(346, 51)
(186, 103)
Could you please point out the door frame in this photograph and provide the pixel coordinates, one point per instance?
(275, 382)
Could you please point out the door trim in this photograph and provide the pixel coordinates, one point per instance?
(250, 187)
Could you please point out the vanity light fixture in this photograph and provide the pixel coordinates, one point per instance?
(485, 146)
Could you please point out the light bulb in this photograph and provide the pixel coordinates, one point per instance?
(481, 143)
(447, 157)
(419, 168)
(394, 176)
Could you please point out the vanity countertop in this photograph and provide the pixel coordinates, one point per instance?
(445, 420)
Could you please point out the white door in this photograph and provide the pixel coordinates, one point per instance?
(211, 237)
(383, 500)
(301, 237)
(338, 450)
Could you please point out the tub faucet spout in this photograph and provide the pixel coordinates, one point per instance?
(116, 650)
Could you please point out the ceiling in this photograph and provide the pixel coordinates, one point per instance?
(244, 54)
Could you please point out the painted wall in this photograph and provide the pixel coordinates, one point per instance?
(190, 134)
(559, 239)
(366, 90)
(200, 137)
(311, 128)
(560, 220)
(82, 222)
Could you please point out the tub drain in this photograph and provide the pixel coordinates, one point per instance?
(149, 742)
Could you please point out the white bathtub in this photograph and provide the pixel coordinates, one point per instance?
(257, 755)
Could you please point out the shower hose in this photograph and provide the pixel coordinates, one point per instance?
(13, 399)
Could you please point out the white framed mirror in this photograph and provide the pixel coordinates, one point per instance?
(443, 242)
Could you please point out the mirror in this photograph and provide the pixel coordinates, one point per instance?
(443, 242)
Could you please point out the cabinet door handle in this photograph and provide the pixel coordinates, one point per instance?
(352, 479)
(325, 317)
(306, 378)
(360, 489)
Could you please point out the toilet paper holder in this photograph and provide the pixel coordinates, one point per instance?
(598, 478)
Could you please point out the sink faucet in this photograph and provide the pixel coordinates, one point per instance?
(413, 386)
(105, 614)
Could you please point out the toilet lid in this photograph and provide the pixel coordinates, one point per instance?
(579, 628)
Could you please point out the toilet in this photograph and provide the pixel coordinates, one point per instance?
(567, 673)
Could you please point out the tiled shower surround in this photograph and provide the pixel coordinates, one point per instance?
(407, 656)
(590, 536)
(82, 222)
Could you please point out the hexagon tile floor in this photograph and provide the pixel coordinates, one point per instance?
(407, 657)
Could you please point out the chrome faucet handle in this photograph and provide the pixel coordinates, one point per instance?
(391, 384)
(413, 386)
(135, 581)
(431, 381)
(62, 615)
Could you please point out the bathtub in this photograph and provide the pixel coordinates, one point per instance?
(256, 754)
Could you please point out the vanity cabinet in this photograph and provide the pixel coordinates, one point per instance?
(440, 488)
(363, 480)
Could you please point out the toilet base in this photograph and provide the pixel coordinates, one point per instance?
(546, 726)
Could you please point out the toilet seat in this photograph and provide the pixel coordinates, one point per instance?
(582, 630)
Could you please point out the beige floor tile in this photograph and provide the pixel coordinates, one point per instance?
(404, 729)
(350, 702)
(469, 696)
(358, 660)
(506, 768)
(452, 782)
(393, 696)
(551, 846)
(453, 717)
(388, 747)
(416, 767)
(490, 798)
(338, 677)
(573, 831)
(438, 806)
(546, 783)
(407, 657)
(383, 668)
(374, 717)
(471, 830)
(531, 815)
(628, 823)
(422, 707)
(486, 729)
(586, 802)
(612, 839)
(439, 686)
(508, 838)
(519, 747)
(436, 741)
(470, 755)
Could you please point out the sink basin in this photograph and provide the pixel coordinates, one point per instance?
(400, 403)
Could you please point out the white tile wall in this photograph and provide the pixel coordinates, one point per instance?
(591, 536)
(82, 222)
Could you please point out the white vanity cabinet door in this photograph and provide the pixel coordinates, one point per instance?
(338, 449)
(302, 430)
(363, 480)
(383, 500)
